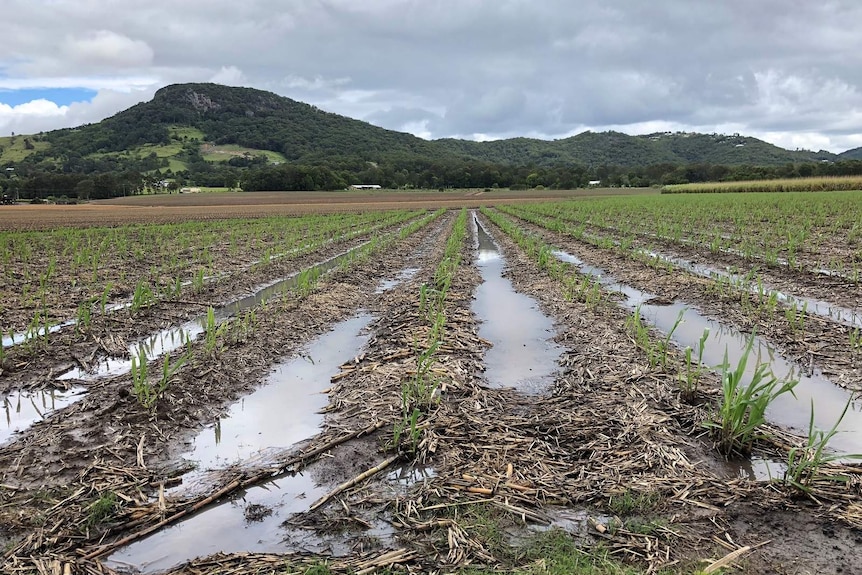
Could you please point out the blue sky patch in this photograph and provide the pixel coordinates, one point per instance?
(60, 96)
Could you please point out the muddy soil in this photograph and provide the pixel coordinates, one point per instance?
(819, 344)
(53, 472)
(602, 363)
(37, 367)
(804, 282)
(607, 428)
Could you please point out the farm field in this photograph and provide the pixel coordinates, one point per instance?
(508, 384)
(177, 208)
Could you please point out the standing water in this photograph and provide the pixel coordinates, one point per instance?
(787, 410)
(280, 414)
(523, 355)
(20, 409)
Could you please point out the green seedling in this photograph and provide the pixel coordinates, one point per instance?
(743, 406)
(804, 464)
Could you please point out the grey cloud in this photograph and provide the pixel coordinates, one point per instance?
(490, 67)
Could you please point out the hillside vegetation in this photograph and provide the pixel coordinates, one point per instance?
(208, 134)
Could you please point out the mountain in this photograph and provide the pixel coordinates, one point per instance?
(187, 124)
(854, 154)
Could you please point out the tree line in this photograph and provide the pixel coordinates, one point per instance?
(255, 173)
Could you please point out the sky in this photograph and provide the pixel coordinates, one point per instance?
(786, 71)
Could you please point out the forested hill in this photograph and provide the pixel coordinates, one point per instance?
(243, 116)
(302, 133)
(219, 136)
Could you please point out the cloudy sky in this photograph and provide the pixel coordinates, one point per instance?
(787, 71)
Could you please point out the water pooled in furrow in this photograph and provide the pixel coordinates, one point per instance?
(836, 313)
(787, 410)
(280, 414)
(523, 355)
(21, 409)
(172, 339)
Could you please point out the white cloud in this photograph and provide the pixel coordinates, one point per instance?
(488, 67)
(229, 76)
(42, 115)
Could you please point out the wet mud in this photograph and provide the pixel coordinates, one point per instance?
(606, 427)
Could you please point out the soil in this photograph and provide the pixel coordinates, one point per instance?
(820, 344)
(171, 208)
(608, 428)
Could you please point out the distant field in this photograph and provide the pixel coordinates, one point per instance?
(212, 153)
(820, 184)
(169, 208)
(14, 148)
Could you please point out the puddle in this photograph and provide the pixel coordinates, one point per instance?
(411, 474)
(829, 399)
(169, 340)
(281, 413)
(249, 521)
(843, 315)
(577, 523)
(285, 410)
(404, 275)
(19, 338)
(756, 468)
(523, 355)
(19, 410)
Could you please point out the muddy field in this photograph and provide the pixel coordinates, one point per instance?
(423, 392)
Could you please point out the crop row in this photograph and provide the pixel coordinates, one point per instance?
(737, 419)
(49, 275)
(818, 184)
(822, 231)
(748, 290)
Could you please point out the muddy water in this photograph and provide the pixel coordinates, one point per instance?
(21, 409)
(523, 355)
(786, 410)
(172, 339)
(404, 275)
(278, 415)
(249, 521)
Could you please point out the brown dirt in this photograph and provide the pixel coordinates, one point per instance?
(821, 343)
(609, 425)
(202, 207)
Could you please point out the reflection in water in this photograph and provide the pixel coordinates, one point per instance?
(523, 355)
(281, 413)
(23, 408)
(787, 410)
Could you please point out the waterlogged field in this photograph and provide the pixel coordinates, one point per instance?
(629, 384)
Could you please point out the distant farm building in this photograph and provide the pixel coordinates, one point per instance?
(364, 187)
(190, 190)
(595, 182)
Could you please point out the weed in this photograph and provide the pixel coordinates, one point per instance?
(633, 503)
(102, 509)
(743, 407)
(804, 463)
